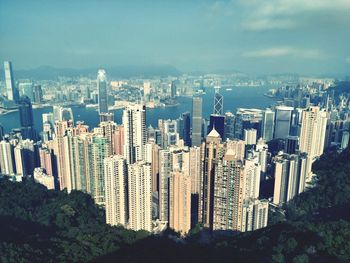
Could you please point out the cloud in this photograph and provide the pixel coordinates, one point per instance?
(284, 51)
(287, 14)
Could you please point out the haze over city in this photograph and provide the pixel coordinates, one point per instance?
(175, 131)
(256, 37)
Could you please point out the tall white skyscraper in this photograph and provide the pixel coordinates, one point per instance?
(11, 90)
(116, 190)
(140, 196)
(102, 91)
(134, 119)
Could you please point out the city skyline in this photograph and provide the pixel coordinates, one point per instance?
(256, 37)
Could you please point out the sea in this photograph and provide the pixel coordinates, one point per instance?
(235, 97)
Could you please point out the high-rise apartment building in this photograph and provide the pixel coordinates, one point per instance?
(228, 193)
(134, 119)
(212, 149)
(197, 102)
(180, 201)
(313, 131)
(140, 196)
(290, 175)
(116, 190)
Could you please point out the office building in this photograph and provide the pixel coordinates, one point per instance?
(218, 108)
(217, 121)
(229, 126)
(11, 90)
(26, 118)
(283, 118)
(268, 124)
(102, 91)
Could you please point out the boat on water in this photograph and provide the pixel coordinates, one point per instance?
(228, 89)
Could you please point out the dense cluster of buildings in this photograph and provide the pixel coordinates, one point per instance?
(185, 171)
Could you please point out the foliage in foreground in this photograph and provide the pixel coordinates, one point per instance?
(37, 225)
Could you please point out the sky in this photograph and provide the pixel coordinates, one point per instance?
(252, 36)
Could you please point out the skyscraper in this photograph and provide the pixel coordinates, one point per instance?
(217, 121)
(173, 89)
(116, 188)
(26, 118)
(283, 121)
(140, 196)
(185, 128)
(134, 119)
(98, 150)
(197, 102)
(211, 150)
(102, 91)
(180, 201)
(268, 124)
(290, 175)
(12, 91)
(229, 126)
(228, 193)
(313, 131)
(218, 102)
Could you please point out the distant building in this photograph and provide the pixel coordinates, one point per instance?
(102, 91)
(12, 91)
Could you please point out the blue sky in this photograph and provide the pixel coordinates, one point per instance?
(253, 36)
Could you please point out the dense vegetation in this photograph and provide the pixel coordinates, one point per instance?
(37, 225)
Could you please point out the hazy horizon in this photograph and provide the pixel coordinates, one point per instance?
(254, 37)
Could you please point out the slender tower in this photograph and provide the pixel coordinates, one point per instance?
(102, 91)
